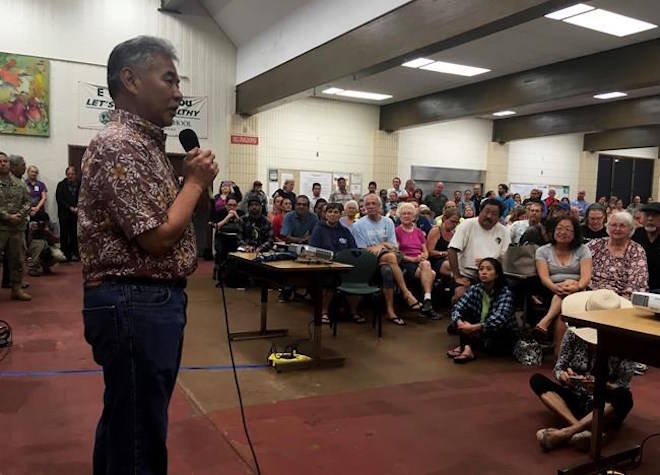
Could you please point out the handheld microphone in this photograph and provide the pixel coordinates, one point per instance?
(188, 139)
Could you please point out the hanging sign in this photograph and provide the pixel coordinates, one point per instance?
(95, 104)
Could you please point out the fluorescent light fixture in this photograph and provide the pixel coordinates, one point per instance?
(610, 23)
(503, 113)
(451, 68)
(569, 11)
(610, 95)
(332, 90)
(416, 63)
(372, 96)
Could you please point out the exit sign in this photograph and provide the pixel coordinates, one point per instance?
(244, 140)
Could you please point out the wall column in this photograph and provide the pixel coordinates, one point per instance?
(385, 160)
(497, 166)
(243, 162)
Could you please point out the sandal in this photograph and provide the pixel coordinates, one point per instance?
(540, 331)
(544, 441)
(325, 320)
(453, 353)
(416, 305)
(359, 319)
(463, 358)
(398, 321)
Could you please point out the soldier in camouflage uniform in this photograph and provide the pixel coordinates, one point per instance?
(14, 208)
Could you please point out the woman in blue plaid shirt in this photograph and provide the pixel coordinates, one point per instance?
(484, 316)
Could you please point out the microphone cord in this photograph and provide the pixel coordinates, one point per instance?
(238, 387)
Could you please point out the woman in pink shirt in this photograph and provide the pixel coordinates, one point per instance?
(412, 245)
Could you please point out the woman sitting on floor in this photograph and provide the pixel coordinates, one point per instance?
(484, 316)
(564, 267)
(412, 244)
(572, 398)
(619, 263)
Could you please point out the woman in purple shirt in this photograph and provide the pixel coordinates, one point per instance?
(37, 189)
(412, 244)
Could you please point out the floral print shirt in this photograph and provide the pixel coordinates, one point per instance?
(624, 275)
(127, 186)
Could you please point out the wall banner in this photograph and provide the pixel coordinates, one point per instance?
(95, 103)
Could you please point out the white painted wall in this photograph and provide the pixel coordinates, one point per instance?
(268, 33)
(341, 133)
(546, 160)
(646, 152)
(78, 35)
(456, 144)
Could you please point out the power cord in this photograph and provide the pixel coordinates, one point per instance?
(238, 388)
(636, 463)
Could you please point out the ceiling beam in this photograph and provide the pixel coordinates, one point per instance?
(612, 115)
(171, 6)
(624, 68)
(418, 28)
(632, 137)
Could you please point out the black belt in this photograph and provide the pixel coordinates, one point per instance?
(132, 280)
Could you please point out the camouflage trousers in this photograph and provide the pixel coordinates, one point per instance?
(13, 243)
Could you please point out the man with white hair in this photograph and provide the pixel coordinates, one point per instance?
(375, 233)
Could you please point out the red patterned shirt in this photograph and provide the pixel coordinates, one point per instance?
(127, 186)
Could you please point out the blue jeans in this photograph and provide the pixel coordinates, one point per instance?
(136, 335)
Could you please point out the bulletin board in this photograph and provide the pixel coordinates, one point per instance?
(328, 180)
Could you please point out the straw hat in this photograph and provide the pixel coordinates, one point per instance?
(590, 335)
(603, 299)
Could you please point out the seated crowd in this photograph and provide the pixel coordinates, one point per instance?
(427, 245)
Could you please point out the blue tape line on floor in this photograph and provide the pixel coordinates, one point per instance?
(64, 372)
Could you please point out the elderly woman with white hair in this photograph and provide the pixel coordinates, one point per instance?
(412, 244)
(351, 213)
(619, 263)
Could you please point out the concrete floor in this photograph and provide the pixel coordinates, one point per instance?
(398, 406)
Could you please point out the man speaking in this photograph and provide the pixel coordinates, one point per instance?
(137, 246)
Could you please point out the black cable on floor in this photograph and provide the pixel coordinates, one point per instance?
(238, 388)
(638, 461)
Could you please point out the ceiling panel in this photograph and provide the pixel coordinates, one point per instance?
(536, 43)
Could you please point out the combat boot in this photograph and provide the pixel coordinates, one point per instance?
(19, 294)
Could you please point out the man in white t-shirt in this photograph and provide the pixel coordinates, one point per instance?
(396, 187)
(476, 238)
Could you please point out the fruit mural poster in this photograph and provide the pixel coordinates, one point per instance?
(24, 95)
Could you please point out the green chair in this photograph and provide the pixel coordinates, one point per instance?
(356, 281)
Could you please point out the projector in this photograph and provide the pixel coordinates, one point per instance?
(306, 252)
(646, 301)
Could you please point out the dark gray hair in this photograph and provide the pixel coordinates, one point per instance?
(16, 160)
(137, 52)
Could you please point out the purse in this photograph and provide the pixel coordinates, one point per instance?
(520, 260)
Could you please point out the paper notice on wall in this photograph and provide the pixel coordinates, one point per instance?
(273, 186)
(356, 178)
(356, 189)
(307, 179)
(95, 104)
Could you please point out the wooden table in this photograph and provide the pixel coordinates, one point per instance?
(290, 273)
(629, 333)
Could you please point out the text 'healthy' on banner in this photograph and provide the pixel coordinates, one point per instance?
(95, 104)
